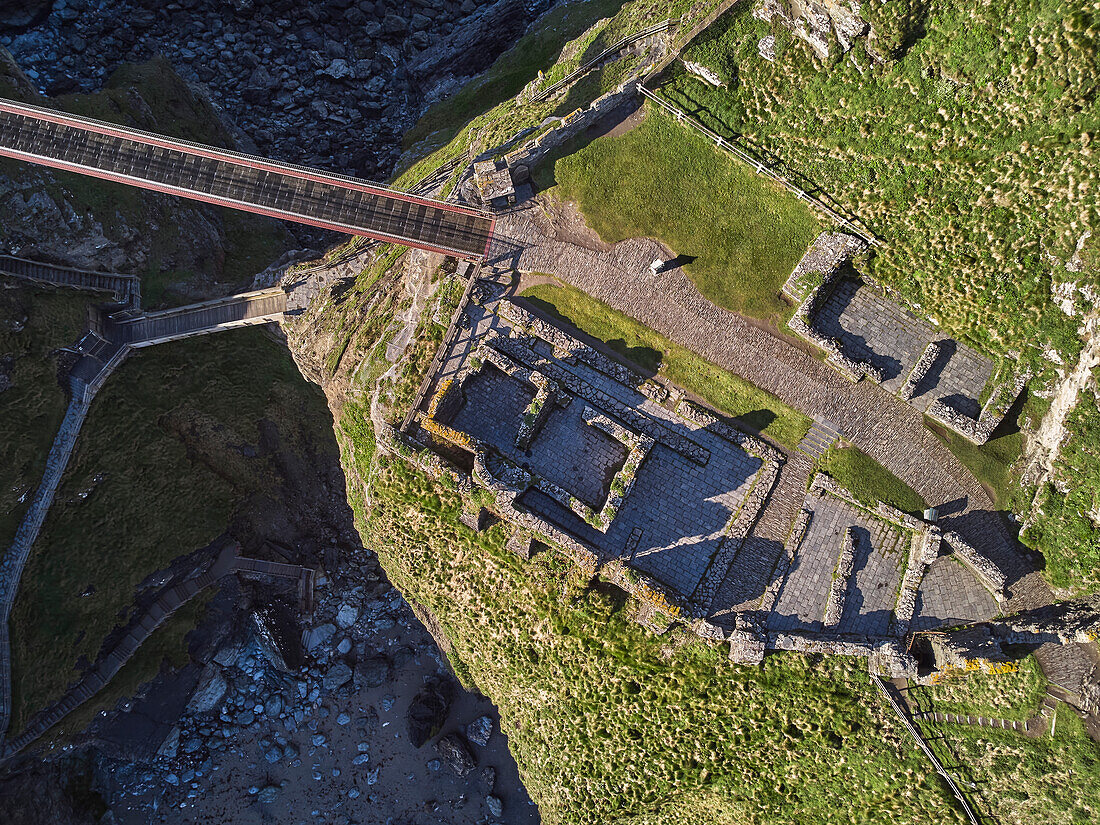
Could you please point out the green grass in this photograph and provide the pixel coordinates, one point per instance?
(1050, 779)
(991, 463)
(1013, 695)
(163, 464)
(965, 151)
(537, 50)
(609, 723)
(166, 648)
(1067, 527)
(31, 408)
(744, 233)
(652, 352)
(868, 480)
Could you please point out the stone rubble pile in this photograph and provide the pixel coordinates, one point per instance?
(249, 704)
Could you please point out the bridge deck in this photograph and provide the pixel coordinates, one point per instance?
(197, 319)
(121, 285)
(218, 176)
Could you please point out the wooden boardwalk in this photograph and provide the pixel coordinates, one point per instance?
(166, 604)
(124, 287)
(246, 309)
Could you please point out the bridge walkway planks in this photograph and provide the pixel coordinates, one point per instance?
(221, 177)
(247, 309)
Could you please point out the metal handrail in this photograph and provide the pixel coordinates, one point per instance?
(40, 112)
(656, 28)
(913, 732)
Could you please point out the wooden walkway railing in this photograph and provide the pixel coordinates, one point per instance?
(166, 604)
(125, 287)
(761, 168)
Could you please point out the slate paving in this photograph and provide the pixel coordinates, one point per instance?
(873, 328)
(672, 523)
(950, 594)
(882, 551)
(551, 238)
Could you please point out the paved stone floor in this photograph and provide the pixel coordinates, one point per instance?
(950, 594)
(882, 551)
(875, 329)
(754, 566)
(494, 408)
(577, 457)
(566, 451)
(678, 511)
(545, 236)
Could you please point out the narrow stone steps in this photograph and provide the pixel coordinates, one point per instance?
(821, 437)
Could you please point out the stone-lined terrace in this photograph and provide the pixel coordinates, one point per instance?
(875, 329)
(866, 333)
(878, 571)
(611, 467)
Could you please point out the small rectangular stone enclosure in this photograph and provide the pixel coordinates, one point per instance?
(866, 332)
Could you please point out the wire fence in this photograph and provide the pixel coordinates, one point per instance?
(927, 750)
(759, 166)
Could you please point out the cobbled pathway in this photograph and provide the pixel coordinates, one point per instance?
(546, 237)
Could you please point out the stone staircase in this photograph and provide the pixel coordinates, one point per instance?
(1037, 724)
(821, 437)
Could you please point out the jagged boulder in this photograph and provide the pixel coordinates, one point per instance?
(428, 710)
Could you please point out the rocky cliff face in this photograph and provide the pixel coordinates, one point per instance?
(829, 27)
(334, 83)
(82, 222)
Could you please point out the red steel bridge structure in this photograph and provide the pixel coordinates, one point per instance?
(218, 176)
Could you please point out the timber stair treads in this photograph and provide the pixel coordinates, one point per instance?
(821, 437)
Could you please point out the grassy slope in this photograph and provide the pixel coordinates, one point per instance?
(31, 409)
(611, 724)
(868, 480)
(485, 113)
(991, 463)
(1012, 695)
(165, 435)
(1067, 525)
(1051, 779)
(972, 154)
(166, 647)
(537, 50)
(249, 242)
(660, 180)
(651, 351)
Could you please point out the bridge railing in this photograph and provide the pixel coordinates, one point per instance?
(140, 135)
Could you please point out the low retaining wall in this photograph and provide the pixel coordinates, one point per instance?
(981, 428)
